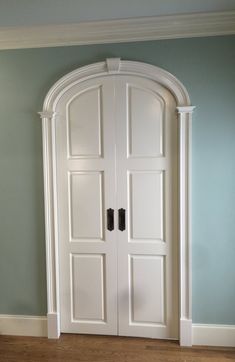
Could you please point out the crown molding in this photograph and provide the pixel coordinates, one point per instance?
(116, 31)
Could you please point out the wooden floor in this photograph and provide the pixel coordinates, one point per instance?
(82, 348)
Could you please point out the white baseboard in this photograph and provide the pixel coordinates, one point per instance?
(214, 335)
(202, 334)
(21, 325)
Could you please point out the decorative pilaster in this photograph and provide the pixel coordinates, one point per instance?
(48, 117)
(185, 120)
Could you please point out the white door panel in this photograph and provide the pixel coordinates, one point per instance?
(116, 146)
(86, 194)
(147, 301)
(85, 123)
(145, 121)
(146, 206)
(88, 300)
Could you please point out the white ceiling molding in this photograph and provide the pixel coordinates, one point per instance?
(115, 31)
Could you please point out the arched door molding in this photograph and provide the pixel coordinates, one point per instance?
(48, 115)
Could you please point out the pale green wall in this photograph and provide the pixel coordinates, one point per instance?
(33, 12)
(206, 66)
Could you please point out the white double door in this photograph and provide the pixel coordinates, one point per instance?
(116, 157)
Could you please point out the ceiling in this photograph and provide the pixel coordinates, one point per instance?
(45, 12)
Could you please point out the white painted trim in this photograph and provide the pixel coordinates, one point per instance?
(115, 31)
(186, 332)
(188, 109)
(214, 335)
(35, 326)
(113, 65)
(185, 121)
(48, 116)
(124, 67)
(53, 320)
(53, 325)
(21, 325)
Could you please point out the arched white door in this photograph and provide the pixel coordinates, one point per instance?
(116, 158)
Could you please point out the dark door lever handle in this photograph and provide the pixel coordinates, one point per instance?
(122, 219)
(110, 219)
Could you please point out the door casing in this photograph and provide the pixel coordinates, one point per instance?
(48, 116)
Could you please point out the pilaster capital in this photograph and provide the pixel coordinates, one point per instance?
(185, 109)
(47, 114)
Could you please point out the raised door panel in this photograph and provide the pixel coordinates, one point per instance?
(88, 288)
(147, 290)
(146, 201)
(86, 206)
(84, 117)
(145, 122)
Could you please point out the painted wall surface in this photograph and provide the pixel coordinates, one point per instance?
(207, 69)
(28, 12)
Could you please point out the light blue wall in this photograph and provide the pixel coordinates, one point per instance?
(33, 12)
(206, 67)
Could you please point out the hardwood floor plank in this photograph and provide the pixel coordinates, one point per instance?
(87, 348)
